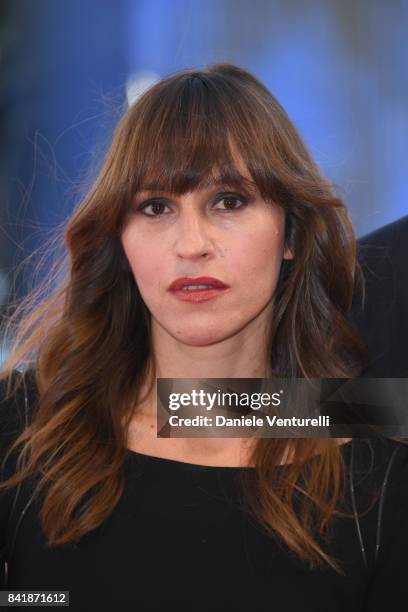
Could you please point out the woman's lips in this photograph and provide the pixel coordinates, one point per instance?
(197, 295)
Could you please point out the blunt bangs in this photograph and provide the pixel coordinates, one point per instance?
(189, 134)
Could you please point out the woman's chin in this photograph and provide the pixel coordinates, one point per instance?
(203, 337)
(199, 331)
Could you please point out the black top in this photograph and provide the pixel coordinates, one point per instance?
(179, 539)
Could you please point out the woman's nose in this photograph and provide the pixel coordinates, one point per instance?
(192, 235)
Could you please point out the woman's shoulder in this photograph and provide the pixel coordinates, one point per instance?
(379, 465)
(380, 456)
(18, 393)
(15, 389)
(393, 465)
(384, 540)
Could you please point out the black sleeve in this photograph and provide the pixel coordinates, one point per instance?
(13, 415)
(12, 422)
(387, 589)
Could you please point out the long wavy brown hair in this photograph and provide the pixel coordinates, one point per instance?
(86, 330)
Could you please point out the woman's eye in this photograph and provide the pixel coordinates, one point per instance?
(230, 202)
(156, 208)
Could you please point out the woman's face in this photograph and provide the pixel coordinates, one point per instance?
(214, 232)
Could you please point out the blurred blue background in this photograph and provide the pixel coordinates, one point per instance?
(338, 67)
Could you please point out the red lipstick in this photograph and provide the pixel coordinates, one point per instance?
(198, 289)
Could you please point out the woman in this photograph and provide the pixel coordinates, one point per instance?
(206, 181)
